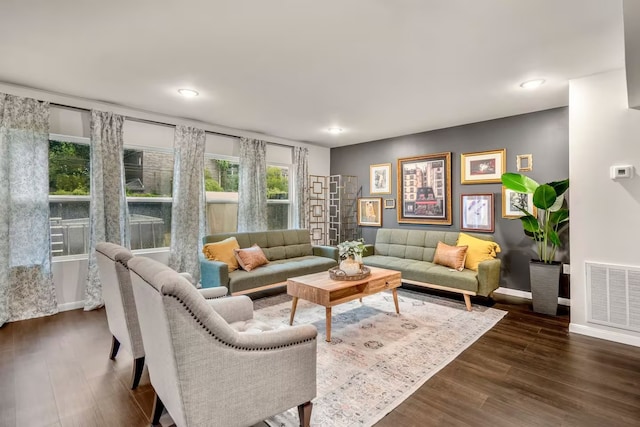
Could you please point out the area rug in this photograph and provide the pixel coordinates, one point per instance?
(377, 358)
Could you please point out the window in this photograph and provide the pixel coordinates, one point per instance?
(148, 184)
(221, 187)
(278, 205)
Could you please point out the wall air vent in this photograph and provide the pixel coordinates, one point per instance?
(613, 295)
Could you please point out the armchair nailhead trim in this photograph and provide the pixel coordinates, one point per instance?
(236, 347)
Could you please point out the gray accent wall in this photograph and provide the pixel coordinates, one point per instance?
(543, 134)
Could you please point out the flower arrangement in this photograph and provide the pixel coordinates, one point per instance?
(351, 247)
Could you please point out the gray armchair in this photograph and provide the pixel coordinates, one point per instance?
(120, 306)
(213, 364)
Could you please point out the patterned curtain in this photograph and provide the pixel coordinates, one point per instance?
(109, 216)
(188, 208)
(301, 186)
(252, 185)
(26, 282)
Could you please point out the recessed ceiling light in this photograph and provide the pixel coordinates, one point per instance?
(188, 93)
(335, 130)
(532, 84)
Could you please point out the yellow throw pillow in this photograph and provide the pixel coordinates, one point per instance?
(223, 251)
(450, 256)
(250, 258)
(479, 250)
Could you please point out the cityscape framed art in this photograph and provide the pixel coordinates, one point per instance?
(483, 167)
(476, 213)
(380, 179)
(512, 201)
(424, 189)
(370, 211)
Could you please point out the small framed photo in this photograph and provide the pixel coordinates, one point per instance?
(370, 211)
(513, 201)
(524, 162)
(482, 167)
(380, 179)
(389, 203)
(476, 213)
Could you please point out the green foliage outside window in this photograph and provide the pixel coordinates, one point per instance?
(277, 183)
(68, 168)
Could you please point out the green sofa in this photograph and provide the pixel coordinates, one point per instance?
(289, 252)
(411, 252)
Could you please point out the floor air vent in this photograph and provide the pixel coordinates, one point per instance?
(613, 293)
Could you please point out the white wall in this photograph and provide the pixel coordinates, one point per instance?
(603, 131)
(69, 275)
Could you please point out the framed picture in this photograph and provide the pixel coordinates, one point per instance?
(476, 212)
(370, 211)
(424, 189)
(389, 203)
(380, 179)
(482, 167)
(524, 162)
(512, 201)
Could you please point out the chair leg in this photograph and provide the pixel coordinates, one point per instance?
(304, 412)
(115, 346)
(156, 412)
(138, 365)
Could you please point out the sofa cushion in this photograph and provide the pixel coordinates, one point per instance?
(251, 258)
(278, 271)
(479, 250)
(223, 251)
(450, 256)
(445, 276)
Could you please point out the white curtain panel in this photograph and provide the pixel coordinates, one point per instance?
(188, 208)
(301, 186)
(252, 185)
(109, 216)
(26, 282)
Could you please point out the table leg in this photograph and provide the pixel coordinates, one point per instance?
(395, 299)
(294, 304)
(328, 314)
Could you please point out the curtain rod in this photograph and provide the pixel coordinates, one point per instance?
(154, 122)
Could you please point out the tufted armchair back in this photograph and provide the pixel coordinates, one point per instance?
(202, 369)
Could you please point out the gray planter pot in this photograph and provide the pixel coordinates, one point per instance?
(545, 281)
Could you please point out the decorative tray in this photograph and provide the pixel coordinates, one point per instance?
(336, 274)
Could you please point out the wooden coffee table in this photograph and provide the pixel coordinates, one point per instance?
(320, 289)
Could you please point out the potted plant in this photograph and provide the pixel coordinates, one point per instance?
(350, 252)
(552, 216)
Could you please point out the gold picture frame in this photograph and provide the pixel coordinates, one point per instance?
(424, 189)
(483, 167)
(524, 162)
(380, 178)
(511, 200)
(370, 211)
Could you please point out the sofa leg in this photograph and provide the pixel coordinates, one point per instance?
(304, 412)
(467, 301)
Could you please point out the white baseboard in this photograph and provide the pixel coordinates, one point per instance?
(71, 306)
(527, 295)
(605, 334)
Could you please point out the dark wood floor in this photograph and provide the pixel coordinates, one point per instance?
(526, 371)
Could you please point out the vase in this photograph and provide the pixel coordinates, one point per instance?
(350, 266)
(545, 281)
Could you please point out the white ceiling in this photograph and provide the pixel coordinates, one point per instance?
(292, 68)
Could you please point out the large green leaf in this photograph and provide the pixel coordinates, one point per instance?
(559, 216)
(557, 205)
(560, 186)
(518, 182)
(553, 237)
(530, 223)
(544, 196)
